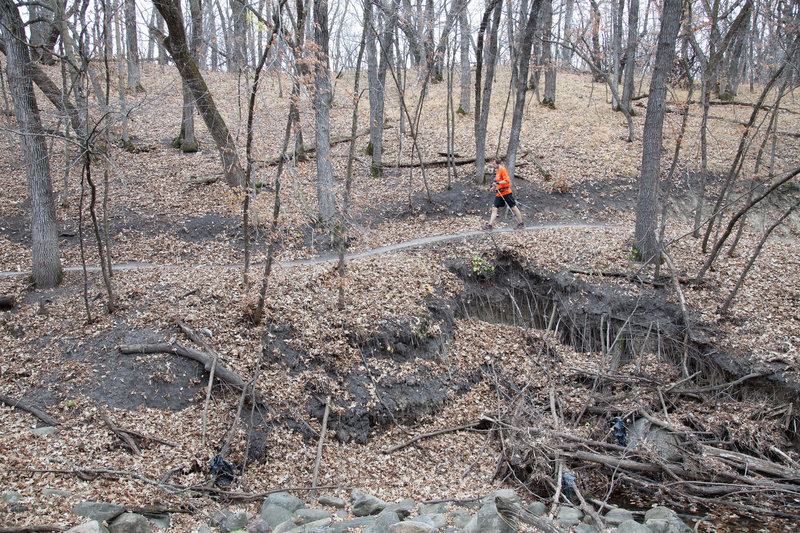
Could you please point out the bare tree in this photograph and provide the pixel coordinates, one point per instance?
(379, 54)
(647, 204)
(322, 103)
(178, 48)
(44, 227)
(132, 46)
(238, 49)
(187, 141)
(522, 66)
(482, 98)
(463, 105)
(549, 96)
(630, 56)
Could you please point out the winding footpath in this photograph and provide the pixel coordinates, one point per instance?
(332, 258)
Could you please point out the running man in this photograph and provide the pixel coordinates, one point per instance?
(502, 184)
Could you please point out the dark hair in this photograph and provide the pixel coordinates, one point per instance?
(498, 160)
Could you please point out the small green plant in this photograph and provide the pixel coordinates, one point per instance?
(634, 254)
(69, 404)
(480, 267)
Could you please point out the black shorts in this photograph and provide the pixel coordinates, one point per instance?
(508, 199)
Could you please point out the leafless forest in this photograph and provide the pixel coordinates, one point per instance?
(252, 230)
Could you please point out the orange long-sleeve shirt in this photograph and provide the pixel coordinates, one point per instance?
(502, 181)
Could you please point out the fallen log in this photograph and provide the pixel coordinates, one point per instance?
(33, 529)
(124, 437)
(336, 139)
(748, 462)
(614, 462)
(176, 348)
(35, 411)
(402, 445)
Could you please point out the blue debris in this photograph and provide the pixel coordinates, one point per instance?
(568, 480)
(619, 431)
(223, 470)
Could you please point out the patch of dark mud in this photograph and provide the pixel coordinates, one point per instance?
(16, 228)
(377, 398)
(610, 318)
(602, 318)
(94, 368)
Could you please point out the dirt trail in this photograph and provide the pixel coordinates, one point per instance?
(330, 258)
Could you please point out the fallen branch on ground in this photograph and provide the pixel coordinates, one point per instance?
(228, 376)
(24, 406)
(471, 425)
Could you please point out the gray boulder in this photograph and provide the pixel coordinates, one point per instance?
(460, 518)
(632, 526)
(508, 495)
(130, 523)
(332, 501)
(285, 500)
(259, 526)
(275, 514)
(56, 493)
(423, 519)
(403, 508)
(102, 512)
(617, 516)
(384, 519)
(89, 527)
(10, 496)
(657, 525)
(584, 528)
(537, 508)
(411, 527)
(437, 520)
(486, 520)
(666, 443)
(568, 516)
(307, 515)
(234, 521)
(342, 527)
(676, 525)
(366, 504)
(289, 527)
(432, 508)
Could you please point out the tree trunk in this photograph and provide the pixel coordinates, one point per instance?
(132, 43)
(322, 102)
(595, 53)
(44, 227)
(616, 42)
(549, 97)
(567, 51)
(162, 52)
(188, 142)
(379, 55)
(463, 105)
(734, 74)
(209, 46)
(482, 100)
(238, 49)
(522, 85)
(302, 71)
(178, 48)
(630, 55)
(647, 204)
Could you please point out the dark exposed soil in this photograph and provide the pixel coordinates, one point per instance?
(511, 294)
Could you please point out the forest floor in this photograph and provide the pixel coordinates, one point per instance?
(552, 329)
